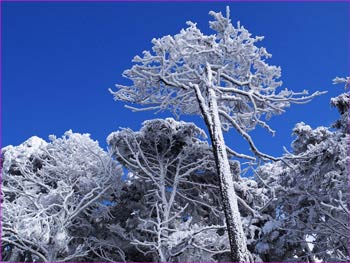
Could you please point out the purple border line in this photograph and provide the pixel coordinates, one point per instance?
(160, 1)
(1, 112)
(348, 143)
(182, 1)
(348, 171)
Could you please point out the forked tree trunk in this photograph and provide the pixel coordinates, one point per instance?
(238, 244)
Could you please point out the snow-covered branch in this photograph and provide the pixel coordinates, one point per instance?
(47, 187)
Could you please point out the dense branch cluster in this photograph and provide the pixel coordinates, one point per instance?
(52, 195)
(177, 214)
(312, 196)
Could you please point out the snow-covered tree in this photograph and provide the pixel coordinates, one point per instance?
(224, 78)
(310, 215)
(173, 171)
(53, 196)
(170, 204)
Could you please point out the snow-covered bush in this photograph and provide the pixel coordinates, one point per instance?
(310, 216)
(170, 204)
(53, 197)
(162, 159)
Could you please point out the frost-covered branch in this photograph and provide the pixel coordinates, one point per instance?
(48, 187)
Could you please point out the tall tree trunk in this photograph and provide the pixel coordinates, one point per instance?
(239, 251)
(238, 244)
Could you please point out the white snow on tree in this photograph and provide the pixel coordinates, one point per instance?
(222, 77)
(311, 209)
(52, 194)
(173, 174)
(171, 204)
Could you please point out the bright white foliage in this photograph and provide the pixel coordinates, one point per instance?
(312, 203)
(22, 152)
(48, 191)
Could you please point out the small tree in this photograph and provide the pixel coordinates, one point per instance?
(170, 207)
(53, 195)
(225, 79)
(173, 171)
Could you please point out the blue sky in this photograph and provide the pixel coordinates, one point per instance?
(59, 59)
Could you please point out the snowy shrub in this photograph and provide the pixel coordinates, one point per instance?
(312, 196)
(50, 193)
(170, 203)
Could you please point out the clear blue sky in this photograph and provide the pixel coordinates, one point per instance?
(59, 59)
